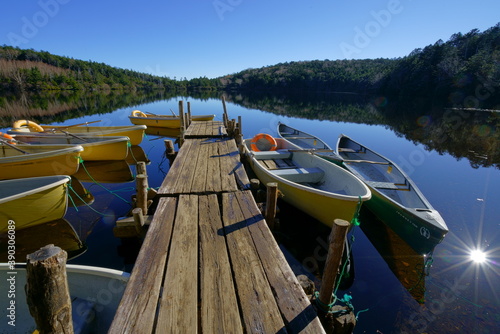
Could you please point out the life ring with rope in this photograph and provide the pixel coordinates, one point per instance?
(263, 142)
(138, 113)
(22, 124)
(9, 138)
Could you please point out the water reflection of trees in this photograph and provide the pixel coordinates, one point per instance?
(463, 134)
(48, 107)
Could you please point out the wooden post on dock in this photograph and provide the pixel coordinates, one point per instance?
(344, 322)
(334, 257)
(240, 131)
(47, 291)
(188, 118)
(224, 116)
(271, 202)
(169, 150)
(142, 192)
(183, 123)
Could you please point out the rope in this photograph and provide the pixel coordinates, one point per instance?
(355, 221)
(88, 205)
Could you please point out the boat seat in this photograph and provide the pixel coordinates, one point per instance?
(268, 155)
(310, 175)
(386, 185)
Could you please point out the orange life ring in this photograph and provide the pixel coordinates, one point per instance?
(138, 113)
(265, 141)
(32, 126)
(9, 138)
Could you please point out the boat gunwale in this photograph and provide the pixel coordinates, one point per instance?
(60, 180)
(41, 155)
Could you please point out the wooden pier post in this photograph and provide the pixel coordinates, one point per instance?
(47, 291)
(334, 257)
(188, 115)
(169, 150)
(183, 123)
(142, 192)
(271, 202)
(224, 116)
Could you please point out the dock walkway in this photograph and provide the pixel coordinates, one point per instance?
(209, 263)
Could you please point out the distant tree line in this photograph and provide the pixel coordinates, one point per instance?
(30, 70)
(464, 71)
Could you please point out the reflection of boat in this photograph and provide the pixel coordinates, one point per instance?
(318, 187)
(307, 141)
(163, 121)
(408, 266)
(396, 199)
(95, 293)
(78, 194)
(135, 154)
(164, 132)
(135, 133)
(31, 201)
(94, 148)
(105, 171)
(38, 160)
(58, 232)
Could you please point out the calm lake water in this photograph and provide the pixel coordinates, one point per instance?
(461, 296)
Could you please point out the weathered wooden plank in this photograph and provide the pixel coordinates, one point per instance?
(200, 175)
(219, 306)
(297, 311)
(227, 166)
(260, 312)
(214, 181)
(172, 180)
(178, 308)
(190, 168)
(238, 169)
(137, 308)
(270, 164)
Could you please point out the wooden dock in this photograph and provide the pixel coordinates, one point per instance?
(209, 263)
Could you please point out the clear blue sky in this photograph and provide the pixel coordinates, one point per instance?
(193, 38)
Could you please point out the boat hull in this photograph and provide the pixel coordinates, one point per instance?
(171, 122)
(134, 133)
(396, 199)
(315, 197)
(46, 198)
(94, 148)
(324, 209)
(42, 160)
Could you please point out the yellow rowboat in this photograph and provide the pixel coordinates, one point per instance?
(38, 160)
(163, 121)
(318, 187)
(45, 197)
(94, 148)
(135, 133)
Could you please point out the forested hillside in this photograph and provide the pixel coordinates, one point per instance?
(463, 71)
(30, 70)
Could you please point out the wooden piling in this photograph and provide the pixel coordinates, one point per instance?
(141, 168)
(334, 257)
(188, 114)
(47, 291)
(271, 202)
(169, 150)
(142, 192)
(224, 116)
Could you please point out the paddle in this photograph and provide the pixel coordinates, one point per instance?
(151, 113)
(4, 141)
(70, 126)
(173, 113)
(74, 136)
